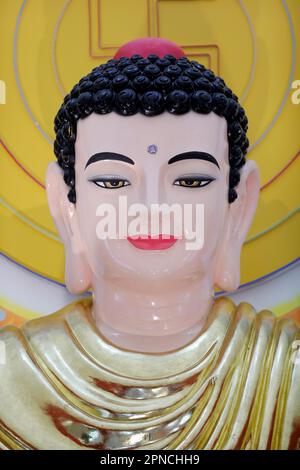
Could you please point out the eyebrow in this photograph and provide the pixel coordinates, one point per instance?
(194, 155)
(108, 156)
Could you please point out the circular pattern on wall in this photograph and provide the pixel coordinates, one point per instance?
(70, 38)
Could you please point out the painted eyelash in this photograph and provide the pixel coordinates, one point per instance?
(104, 179)
(199, 178)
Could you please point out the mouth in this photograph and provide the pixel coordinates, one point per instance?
(146, 242)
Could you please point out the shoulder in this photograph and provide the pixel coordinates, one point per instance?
(270, 343)
(262, 320)
(277, 335)
(267, 353)
(278, 386)
(14, 340)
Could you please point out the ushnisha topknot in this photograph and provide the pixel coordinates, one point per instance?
(150, 85)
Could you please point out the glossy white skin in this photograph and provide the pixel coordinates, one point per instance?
(152, 301)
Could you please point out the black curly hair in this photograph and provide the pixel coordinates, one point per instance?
(151, 86)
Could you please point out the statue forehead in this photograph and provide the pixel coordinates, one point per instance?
(208, 131)
(190, 122)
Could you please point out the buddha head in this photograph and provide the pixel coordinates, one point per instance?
(152, 127)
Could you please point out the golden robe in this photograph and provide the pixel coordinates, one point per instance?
(236, 386)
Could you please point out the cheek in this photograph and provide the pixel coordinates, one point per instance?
(87, 203)
(210, 220)
(90, 216)
(215, 212)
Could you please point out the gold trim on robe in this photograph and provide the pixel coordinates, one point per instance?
(236, 386)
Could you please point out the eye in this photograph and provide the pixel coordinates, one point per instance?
(193, 181)
(111, 183)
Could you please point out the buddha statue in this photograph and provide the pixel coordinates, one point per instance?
(153, 359)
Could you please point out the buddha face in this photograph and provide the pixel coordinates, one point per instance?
(165, 160)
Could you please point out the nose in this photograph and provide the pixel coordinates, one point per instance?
(152, 190)
(153, 193)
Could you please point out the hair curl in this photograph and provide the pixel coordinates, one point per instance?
(150, 86)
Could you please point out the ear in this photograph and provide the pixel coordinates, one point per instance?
(77, 272)
(239, 219)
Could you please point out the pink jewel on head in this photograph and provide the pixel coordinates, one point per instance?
(152, 149)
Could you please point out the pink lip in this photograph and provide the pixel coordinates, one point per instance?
(145, 242)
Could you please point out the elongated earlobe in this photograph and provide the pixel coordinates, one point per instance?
(77, 271)
(240, 216)
(227, 276)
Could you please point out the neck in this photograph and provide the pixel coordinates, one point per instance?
(151, 318)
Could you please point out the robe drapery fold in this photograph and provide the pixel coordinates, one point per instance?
(236, 386)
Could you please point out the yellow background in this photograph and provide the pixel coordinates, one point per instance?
(47, 45)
